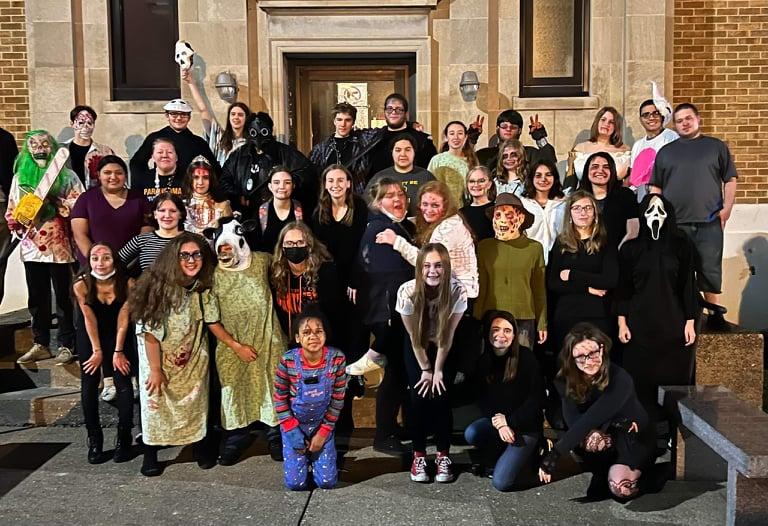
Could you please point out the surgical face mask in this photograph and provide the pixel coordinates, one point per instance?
(296, 254)
(655, 216)
(103, 277)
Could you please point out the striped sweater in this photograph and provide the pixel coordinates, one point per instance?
(287, 378)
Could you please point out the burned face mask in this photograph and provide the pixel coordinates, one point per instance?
(507, 221)
(655, 216)
(260, 133)
(40, 148)
(83, 125)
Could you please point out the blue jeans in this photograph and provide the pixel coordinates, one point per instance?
(512, 457)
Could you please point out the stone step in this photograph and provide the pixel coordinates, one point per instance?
(44, 373)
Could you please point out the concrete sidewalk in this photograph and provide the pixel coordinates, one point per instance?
(45, 479)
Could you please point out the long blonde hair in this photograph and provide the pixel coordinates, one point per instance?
(444, 299)
(280, 271)
(423, 229)
(522, 167)
(569, 237)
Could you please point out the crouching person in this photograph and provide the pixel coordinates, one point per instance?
(309, 394)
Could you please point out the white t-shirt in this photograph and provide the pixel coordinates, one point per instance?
(405, 304)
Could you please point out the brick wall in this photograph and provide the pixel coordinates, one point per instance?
(14, 76)
(721, 65)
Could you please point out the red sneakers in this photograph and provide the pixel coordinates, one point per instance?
(419, 468)
(444, 473)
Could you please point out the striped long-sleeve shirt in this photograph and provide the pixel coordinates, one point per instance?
(286, 381)
(144, 247)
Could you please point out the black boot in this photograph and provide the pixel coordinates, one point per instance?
(95, 446)
(235, 444)
(150, 467)
(123, 445)
(204, 453)
(275, 442)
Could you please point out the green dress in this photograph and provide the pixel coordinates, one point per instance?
(451, 170)
(246, 312)
(178, 415)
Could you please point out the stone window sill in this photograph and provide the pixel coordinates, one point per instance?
(555, 103)
(282, 4)
(133, 106)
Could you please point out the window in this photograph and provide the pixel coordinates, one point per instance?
(142, 38)
(554, 58)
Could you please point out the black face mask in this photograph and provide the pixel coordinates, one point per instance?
(260, 133)
(296, 254)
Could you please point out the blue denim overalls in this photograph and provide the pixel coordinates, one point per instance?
(309, 407)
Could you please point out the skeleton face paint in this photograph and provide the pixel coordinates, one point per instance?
(655, 216)
(83, 125)
(507, 221)
(260, 133)
(184, 54)
(40, 148)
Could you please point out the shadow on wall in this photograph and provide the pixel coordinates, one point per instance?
(753, 308)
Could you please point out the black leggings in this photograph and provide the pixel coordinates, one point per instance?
(89, 394)
(392, 392)
(432, 408)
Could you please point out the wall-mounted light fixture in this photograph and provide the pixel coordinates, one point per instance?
(226, 85)
(469, 86)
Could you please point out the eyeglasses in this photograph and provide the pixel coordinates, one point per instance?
(191, 256)
(586, 208)
(178, 114)
(477, 181)
(508, 126)
(292, 244)
(391, 110)
(650, 114)
(592, 357)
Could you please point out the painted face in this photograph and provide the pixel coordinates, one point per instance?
(83, 125)
(281, 185)
(164, 155)
(507, 130)
(395, 202)
(102, 261)
(260, 133)
(687, 123)
(583, 213)
(337, 184)
(190, 259)
(395, 114)
(655, 216)
(543, 179)
(178, 120)
(599, 171)
(432, 271)
(588, 355)
(167, 215)
(650, 118)
(237, 118)
(502, 334)
(606, 125)
(432, 207)
(311, 335)
(343, 123)
(507, 220)
(478, 184)
(112, 177)
(456, 136)
(201, 180)
(403, 155)
(510, 159)
(40, 148)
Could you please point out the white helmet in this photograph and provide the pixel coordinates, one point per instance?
(178, 105)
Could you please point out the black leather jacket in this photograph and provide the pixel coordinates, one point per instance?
(244, 180)
(323, 155)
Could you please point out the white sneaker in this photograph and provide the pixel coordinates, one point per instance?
(36, 353)
(64, 356)
(109, 392)
(362, 366)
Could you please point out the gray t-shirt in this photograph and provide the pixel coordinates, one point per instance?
(691, 173)
(411, 181)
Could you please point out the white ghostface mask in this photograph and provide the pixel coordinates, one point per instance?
(184, 54)
(655, 216)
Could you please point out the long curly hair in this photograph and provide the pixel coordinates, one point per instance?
(280, 270)
(444, 300)
(325, 206)
(28, 172)
(569, 237)
(522, 167)
(423, 229)
(577, 384)
(162, 287)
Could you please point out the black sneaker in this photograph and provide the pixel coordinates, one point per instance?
(356, 387)
(389, 445)
(276, 449)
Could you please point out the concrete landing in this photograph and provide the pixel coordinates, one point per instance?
(45, 479)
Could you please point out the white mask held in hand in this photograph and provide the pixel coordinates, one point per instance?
(655, 215)
(184, 55)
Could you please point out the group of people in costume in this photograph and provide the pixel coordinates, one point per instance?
(251, 288)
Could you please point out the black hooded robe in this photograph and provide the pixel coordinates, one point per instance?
(657, 294)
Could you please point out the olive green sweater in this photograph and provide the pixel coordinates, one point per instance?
(512, 278)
